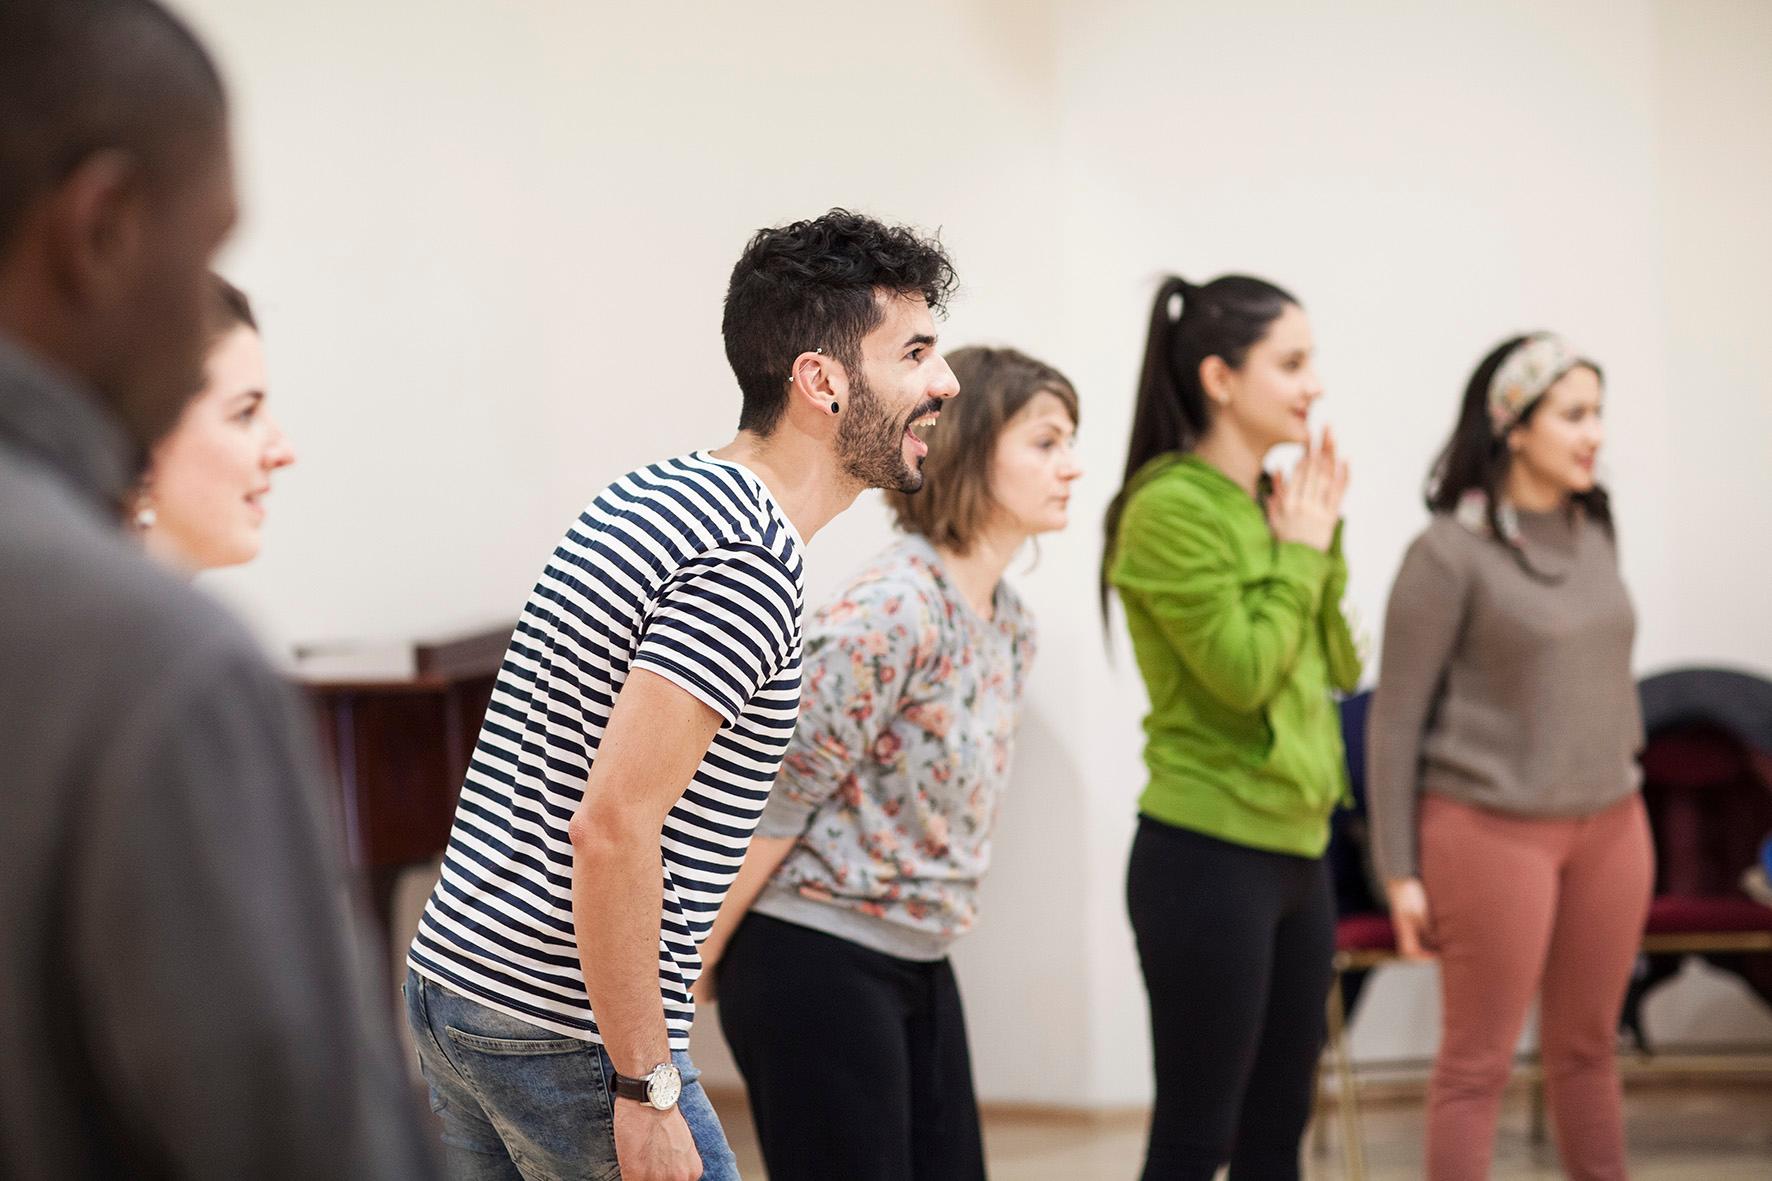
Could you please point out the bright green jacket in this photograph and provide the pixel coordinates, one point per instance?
(1241, 639)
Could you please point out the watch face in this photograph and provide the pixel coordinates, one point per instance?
(663, 1086)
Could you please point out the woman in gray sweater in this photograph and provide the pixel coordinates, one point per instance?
(1503, 782)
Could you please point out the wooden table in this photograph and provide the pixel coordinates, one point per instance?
(399, 749)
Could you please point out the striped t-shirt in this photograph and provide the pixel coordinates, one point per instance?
(688, 569)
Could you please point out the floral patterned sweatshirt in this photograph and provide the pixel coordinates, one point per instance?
(899, 762)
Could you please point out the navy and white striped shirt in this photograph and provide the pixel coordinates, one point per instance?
(688, 569)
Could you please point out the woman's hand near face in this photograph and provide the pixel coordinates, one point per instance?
(1306, 506)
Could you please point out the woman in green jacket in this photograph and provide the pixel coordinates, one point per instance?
(1231, 583)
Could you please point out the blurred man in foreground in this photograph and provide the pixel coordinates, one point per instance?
(181, 999)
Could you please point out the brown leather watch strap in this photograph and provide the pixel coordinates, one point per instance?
(627, 1087)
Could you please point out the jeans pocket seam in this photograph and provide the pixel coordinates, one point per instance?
(516, 1047)
(419, 1001)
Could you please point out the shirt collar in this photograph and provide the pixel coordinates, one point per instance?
(49, 417)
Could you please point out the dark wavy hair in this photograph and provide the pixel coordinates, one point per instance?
(955, 501)
(1225, 319)
(228, 309)
(813, 284)
(1474, 458)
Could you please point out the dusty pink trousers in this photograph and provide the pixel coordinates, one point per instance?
(1522, 907)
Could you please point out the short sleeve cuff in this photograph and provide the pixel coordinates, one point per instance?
(692, 682)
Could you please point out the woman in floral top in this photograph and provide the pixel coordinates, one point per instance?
(830, 954)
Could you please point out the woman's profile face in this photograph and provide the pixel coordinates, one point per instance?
(209, 476)
(1033, 466)
(1559, 446)
(1269, 398)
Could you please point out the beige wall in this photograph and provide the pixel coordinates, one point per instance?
(489, 242)
(1715, 95)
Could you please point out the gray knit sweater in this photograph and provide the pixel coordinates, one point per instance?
(1499, 690)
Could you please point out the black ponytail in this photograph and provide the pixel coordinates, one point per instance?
(1224, 319)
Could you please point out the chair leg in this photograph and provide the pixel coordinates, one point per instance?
(1353, 1145)
(1319, 1130)
(1539, 1127)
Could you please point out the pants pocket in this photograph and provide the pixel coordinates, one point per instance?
(547, 1097)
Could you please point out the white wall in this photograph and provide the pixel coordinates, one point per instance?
(1715, 95)
(489, 242)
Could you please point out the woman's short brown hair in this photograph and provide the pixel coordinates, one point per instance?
(955, 502)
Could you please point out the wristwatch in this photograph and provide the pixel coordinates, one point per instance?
(659, 1087)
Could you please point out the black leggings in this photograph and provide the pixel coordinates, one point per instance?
(1236, 946)
(855, 1061)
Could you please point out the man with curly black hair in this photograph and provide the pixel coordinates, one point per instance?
(836, 281)
(648, 696)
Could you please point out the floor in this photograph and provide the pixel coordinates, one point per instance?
(1678, 1130)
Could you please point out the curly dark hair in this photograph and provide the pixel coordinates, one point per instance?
(812, 284)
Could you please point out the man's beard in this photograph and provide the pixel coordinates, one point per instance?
(870, 445)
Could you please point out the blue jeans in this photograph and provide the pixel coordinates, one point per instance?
(519, 1101)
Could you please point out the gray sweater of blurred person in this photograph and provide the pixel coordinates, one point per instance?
(180, 994)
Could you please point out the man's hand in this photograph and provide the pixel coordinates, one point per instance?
(654, 1145)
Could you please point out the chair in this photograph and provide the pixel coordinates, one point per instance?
(1349, 853)
(1362, 942)
(1364, 938)
(1707, 785)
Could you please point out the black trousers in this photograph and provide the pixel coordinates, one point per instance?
(855, 1061)
(1236, 945)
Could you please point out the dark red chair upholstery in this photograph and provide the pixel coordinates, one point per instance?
(1709, 799)
(1708, 806)
(1676, 914)
(1356, 933)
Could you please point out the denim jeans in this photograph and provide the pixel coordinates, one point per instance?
(519, 1101)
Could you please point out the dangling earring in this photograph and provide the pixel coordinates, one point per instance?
(145, 515)
(835, 408)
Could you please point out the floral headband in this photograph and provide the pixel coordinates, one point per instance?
(1532, 368)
